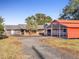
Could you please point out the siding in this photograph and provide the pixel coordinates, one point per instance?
(8, 32)
(73, 33)
(56, 32)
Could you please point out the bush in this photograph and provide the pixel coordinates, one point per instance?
(3, 36)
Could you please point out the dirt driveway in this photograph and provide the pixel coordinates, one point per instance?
(31, 46)
(28, 43)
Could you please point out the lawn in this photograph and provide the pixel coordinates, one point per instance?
(66, 47)
(10, 48)
(72, 44)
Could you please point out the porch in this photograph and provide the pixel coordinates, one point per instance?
(56, 30)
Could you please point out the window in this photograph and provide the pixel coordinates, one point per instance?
(64, 30)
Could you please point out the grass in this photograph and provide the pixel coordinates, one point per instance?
(67, 47)
(66, 44)
(10, 48)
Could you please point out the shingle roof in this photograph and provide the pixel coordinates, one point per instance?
(11, 27)
(21, 26)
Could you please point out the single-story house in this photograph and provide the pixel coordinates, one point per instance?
(65, 28)
(21, 29)
(15, 29)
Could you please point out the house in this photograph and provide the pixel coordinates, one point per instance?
(15, 29)
(21, 29)
(65, 28)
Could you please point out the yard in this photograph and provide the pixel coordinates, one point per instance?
(69, 46)
(10, 48)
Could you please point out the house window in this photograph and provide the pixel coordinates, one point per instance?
(64, 30)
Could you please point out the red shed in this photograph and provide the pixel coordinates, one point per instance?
(65, 28)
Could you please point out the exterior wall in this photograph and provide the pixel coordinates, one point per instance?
(73, 32)
(40, 31)
(37, 33)
(45, 32)
(16, 32)
(56, 32)
(8, 33)
(59, 30)
(31, 34)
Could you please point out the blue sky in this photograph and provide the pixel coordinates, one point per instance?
(15, 11)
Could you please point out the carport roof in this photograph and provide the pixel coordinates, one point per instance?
(71, 25)
(67, 23)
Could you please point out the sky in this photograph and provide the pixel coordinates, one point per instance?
(16, 11)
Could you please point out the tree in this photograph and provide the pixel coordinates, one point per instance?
(71, 11)
(31, 24)
(48, 19)
(1, 25)
(35, 20)
(42, 18)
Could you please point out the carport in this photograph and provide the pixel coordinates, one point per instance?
(65, 28)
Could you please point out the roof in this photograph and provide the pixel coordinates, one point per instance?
(11, 27)
(68, 23)
(20, 26)
(48, 25)
(71, 25)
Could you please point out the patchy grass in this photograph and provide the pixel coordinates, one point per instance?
(10, 48)
(66, 44)
(67, 47)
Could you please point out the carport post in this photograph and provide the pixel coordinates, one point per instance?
(46, 32)
(51, 29)
(59, 34)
